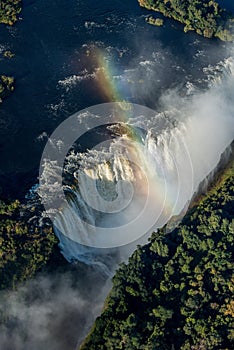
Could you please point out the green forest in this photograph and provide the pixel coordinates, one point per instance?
(25, 247)
(9, 10)
(205, 17)
(177, 291)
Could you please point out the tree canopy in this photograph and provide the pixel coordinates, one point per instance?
(26, 246)
(205, 17)
(177, 292)
(9, 10)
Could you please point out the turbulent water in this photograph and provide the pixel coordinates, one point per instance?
(110, 186)
(188, 83)
(55, 76)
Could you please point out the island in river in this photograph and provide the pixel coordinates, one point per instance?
(205, 17)
(6, 86)
(9, 10)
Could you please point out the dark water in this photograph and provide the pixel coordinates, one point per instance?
(227, 4)
(49, 46)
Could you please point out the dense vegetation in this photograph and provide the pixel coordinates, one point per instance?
(177, 292)
(25, 246)
(155, 21)
(9, 10)
(6, 86)
(206, 17)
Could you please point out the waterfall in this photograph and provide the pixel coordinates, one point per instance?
(121, 191)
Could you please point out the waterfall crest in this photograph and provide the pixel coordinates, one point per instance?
(129, 186)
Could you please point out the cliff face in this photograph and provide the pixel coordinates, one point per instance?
(177, 291)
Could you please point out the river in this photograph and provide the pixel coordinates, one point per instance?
(51, 44)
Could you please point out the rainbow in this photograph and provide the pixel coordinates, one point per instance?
(110, 84)
(116, 92)
(106, 81)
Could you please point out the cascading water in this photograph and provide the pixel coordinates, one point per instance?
(130, 186)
